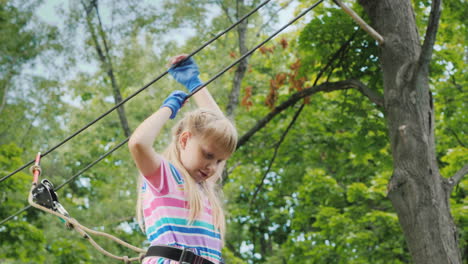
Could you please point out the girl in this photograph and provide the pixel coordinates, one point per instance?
(179, 199)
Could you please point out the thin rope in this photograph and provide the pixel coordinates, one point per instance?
(191, 94)
(83, 231)
(90, 165)
(135, 93)
(248, 53)
(15, 214)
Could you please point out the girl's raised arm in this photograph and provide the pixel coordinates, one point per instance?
(142, 140)
(187, 74)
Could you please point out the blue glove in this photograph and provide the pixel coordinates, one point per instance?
(175, 101)
(187, 73)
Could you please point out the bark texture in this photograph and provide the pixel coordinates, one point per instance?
(242, 66)
(416, 188)
(104, 56)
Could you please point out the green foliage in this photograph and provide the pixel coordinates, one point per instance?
(68, 251)
(20, 241)
(334, 44)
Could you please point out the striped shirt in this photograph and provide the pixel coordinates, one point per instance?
(166, 213)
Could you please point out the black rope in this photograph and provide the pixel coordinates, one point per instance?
(191, 94)
(15, 214)
(248, 53)
(134, 94)
(90, 165)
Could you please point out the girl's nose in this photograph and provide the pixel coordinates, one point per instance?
(211, 165)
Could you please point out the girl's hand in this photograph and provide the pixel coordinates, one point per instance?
(175, 101)
(186, 72)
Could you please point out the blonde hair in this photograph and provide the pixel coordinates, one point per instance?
(209, 126)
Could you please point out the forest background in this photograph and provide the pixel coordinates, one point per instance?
(308, 185)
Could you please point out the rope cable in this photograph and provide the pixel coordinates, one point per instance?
(83, 230)
(90, 165)
(248, 53)
(191, 94)
(135, 93)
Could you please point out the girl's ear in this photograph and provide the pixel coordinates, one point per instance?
(183, 139)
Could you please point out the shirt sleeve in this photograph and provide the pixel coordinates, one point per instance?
(158, 180)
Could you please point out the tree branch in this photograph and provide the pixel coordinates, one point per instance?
(94, 37)
(456, 137)
(4, 98)
(234, 250)
(373, 96)
(335, 56)
(325, 87)
(103, 37)
(225, 10)
(278, 144)
(458, 176)
(105, 59)
(430, 38)
(282, 7)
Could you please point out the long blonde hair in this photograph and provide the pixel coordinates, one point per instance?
(209, 126)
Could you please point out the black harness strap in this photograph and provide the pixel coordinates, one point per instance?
(184, 256)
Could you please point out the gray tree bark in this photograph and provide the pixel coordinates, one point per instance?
(242, 66)
(106, 62)
(417, 189)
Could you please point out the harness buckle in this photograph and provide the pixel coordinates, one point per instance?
(187, 256)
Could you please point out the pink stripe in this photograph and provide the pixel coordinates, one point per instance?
(164, 201)
(169, 201)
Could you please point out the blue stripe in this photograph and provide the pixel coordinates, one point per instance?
(186, 230)
(176, 174)
(178, 221)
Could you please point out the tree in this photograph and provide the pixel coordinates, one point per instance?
(418, 192)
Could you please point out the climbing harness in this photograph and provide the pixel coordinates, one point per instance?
(183, 256)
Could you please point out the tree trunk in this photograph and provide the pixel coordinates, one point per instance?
(242, 67)
(106, 62)
(416, 188)
(6, 82)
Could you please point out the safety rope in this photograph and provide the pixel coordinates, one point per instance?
(85, 231)
(90, 165)
(191, 94)
(73, 223)
(137, 92)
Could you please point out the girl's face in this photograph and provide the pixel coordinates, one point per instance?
(201, 159)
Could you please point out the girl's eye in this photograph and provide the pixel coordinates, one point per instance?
(208, 155)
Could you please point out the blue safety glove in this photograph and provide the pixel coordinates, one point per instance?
(187, 73)
(175, 101)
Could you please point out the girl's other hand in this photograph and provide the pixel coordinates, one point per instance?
(177, 59)
(186, 73)
(175, 101)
